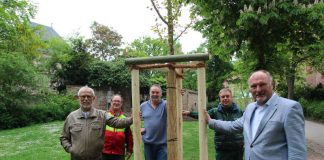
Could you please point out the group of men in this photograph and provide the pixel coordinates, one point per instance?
(272, 127)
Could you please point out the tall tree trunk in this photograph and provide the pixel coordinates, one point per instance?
(290, 84)
(170, 28)
(259, 49)
(290, 79)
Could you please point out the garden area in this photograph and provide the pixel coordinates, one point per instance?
(36, 66)
(41, 141)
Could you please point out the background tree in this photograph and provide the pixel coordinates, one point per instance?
(16, 33)
(59, 52)
(261, 27)
(147, 46)
(105, 42)
(69, 61)
(21, 84)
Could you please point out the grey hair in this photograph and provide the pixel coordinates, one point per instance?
(156, 85)
(86, 87)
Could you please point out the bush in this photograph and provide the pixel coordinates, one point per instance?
(56, 107)
(211, 105)
(53, 107)
(313, 109)
(306, 92)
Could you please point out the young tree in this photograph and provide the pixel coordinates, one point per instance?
(172, 26)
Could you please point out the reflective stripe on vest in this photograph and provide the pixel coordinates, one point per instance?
(108, 128)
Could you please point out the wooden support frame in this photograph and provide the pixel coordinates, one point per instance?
(201, 83)
(166, 59)
(174, 108)
(172, 120)
(136, 117)
(179, 77)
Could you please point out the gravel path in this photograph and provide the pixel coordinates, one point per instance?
(315, 140)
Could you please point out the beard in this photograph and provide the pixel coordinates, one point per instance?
(261, 100)
(155, 97)
(86, 107)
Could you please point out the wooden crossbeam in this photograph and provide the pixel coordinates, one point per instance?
(166, 59)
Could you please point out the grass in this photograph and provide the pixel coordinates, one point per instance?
(42, 142)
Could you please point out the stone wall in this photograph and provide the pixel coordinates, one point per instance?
(102, 101)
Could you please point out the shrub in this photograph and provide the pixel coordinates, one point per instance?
(56, 107)
(52, 107)
(313, 109)
(211, 105)
(306, 92)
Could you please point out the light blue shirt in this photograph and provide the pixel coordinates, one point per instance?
(154, 122)
(259, 113)
(85, 114)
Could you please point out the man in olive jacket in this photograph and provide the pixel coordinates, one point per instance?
(83, 132)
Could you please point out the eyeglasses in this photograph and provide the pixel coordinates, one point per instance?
(84, 97)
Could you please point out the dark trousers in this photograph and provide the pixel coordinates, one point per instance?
(112, 157)
(229, 155)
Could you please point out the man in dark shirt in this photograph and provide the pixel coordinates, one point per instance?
(228, 146)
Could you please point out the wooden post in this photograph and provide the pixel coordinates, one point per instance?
(203, 150)
(180, 108)
(172, 132)
(136, 117)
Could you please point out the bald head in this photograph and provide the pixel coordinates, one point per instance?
(260, 84)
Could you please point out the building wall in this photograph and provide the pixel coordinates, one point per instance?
(189, 99)
(313, 78)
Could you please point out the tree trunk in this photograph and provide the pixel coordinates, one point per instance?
(290, 79)
(259, 48)
(170, 28)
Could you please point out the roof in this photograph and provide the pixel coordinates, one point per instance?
(49, 32)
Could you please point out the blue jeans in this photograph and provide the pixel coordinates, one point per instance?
(155, 151)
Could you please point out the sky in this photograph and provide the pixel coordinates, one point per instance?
(130, 18)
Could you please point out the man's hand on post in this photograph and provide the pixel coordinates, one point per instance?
(128, 155)
(207, 118)
(185, 113)
(143, 131)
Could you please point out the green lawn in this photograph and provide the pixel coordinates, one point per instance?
(41, 142)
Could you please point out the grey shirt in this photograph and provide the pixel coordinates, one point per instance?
(154, 122)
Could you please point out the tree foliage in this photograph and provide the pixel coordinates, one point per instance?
(16, 33)
(20, 84)
(68, 62)
(105, 42)
(147, 46)
(266, 34)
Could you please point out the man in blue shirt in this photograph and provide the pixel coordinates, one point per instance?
(154, 114)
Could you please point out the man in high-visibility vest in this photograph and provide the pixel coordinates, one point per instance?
(117, 140)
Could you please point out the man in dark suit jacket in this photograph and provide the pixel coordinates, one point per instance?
(273, 127)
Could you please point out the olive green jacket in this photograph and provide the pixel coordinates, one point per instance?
(83, 137)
